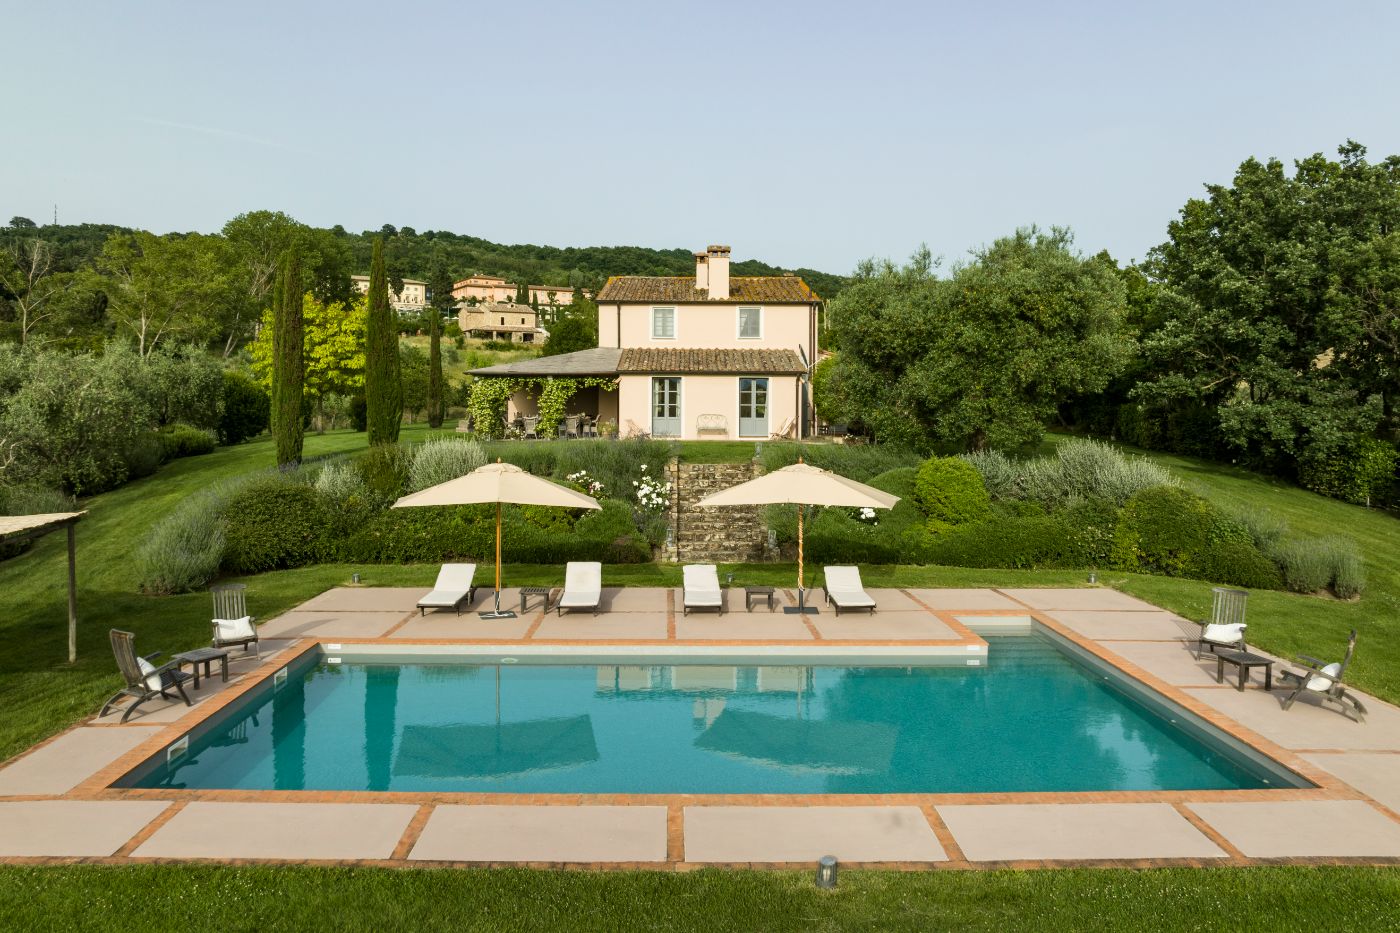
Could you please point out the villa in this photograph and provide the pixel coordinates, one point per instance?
(490, 288)
(413, 299)
(709, 356)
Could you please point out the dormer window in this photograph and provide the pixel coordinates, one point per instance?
(663, 323)
(750, 323)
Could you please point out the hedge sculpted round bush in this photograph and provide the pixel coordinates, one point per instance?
(949, 492)
(271, 523)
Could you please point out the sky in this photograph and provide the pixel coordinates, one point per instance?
(801, 133)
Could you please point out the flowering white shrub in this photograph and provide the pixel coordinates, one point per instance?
(867, 514)
(587, 482)
(653, 495)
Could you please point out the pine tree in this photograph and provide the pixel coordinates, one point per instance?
(383, 382)
(288, 372)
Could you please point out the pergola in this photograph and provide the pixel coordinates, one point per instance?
(15, 528)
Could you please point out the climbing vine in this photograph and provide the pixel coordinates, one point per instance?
(489, 395)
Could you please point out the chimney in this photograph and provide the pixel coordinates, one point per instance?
(702, 271)
(718, 260)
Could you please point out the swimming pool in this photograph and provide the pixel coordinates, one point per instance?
(1041, 715)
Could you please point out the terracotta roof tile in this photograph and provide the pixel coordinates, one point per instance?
(775, 289)
(685, 360)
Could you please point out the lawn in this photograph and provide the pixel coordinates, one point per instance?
(82, 898)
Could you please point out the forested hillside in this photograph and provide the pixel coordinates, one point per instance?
(409, 254)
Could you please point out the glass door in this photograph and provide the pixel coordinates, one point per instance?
(753, 407)
(665, 406)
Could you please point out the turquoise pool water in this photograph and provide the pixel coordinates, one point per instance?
(1032, 719)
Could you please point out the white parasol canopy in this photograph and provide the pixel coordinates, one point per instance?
(499, 482)
(802, 484)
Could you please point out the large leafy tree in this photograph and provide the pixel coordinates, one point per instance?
(1286, 324)
(383, 381)
(288, 366)
(981, 358)
(334, 350)
(574, 328)
(163, 288)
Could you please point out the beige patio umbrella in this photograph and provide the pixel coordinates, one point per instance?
(802, 484)
(499, 482)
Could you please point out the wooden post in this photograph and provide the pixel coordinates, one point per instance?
(72, 595)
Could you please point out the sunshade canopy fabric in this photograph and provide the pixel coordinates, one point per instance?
(802, 484)
(499, 482)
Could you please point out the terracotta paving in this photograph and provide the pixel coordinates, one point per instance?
(57, 800)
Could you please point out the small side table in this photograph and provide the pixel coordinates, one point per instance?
(205, 656)
(752, 593)
(528, 591)
(1243, 661)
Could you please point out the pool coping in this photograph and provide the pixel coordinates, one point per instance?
(99, 785)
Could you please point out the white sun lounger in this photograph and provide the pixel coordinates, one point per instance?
(844, 589)
(453, 587)
(583, 586)
(702, 588)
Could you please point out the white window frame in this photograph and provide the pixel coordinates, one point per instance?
(680, 402)
(675, 322)
(739, 321)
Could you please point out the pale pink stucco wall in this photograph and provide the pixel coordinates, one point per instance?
(704, 395)
(715, 326)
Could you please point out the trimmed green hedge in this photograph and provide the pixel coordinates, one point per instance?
(274, 522)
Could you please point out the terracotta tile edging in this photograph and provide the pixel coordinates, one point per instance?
(1211, 833)
(413, 831)
(150, 829)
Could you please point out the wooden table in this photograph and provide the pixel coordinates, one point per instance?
(527, 591)
(204, 656)
(1243, 660)
(752, 593)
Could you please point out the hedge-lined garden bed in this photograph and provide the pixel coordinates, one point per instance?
(340, 511)
(1086, 507)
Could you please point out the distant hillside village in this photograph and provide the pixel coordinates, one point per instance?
(488, 307)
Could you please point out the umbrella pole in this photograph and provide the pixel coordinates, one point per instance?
(497, 613)
(802, 607)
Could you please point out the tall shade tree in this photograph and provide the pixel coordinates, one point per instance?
(28, 283)
(983, 358)
(1287, 320)
(383, 382)
(440, 284)
(289, 367)
(334, 350)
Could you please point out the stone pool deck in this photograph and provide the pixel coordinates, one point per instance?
(57, 804)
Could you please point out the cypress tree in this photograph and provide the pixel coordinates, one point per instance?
(440, 282)
(383, 383)
(288, 366)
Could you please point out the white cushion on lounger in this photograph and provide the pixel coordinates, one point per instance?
(1321, 684)
(702, 585)
(454, 582)
(583, 585)
(153, 680)
(844, 587)
(234, 629)
(1230, 634)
